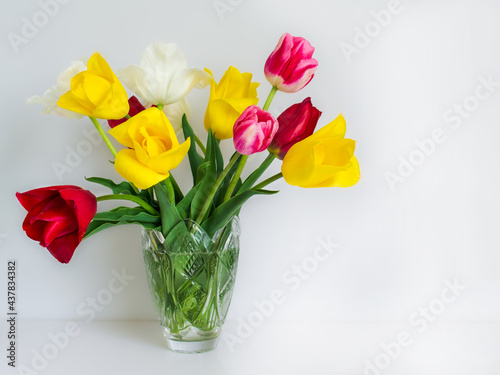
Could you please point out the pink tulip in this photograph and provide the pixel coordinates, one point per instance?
(290, 66)
(254, 130)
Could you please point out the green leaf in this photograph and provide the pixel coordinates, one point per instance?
(214, 155)
(195, 159)
(227, 180)
(176, 234)
(120, 216)
(177, 189)
(211, 141)
(184, 206)
(219, 159)
(124, 187)
(252, 179)
(222, 213)
(207, 176)
(169, 215)
(121, 188)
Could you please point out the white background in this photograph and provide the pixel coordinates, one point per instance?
(396, 247)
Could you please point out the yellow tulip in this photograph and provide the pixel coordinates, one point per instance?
(153, 149)
(228, 99)
(96, 92)
(324, 159)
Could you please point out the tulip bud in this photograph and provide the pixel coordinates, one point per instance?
(290, 66)
(295, 124)
(254, 130)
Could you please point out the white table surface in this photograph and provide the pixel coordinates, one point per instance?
(137, 347)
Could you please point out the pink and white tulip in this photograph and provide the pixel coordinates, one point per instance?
(290, 67)
(254, 130)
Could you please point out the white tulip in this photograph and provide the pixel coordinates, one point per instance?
(163, 77)
(51, 96)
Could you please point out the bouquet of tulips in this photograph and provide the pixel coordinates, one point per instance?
(148, 126)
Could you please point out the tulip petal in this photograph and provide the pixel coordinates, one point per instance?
(135, 107)
(163, 60)
(166, 161)
(52, 95)
(156, 122)
(240, 104)
(55, 210)
(122, 133)
(64, 247)
(64, 78)
(298, 164)
(344, 178)
(84, 205)
(252, 90)
(98, 65)
(334, 151)
(222, 114)
(56, 229)
(33, 197)
(97, 89)
(132, 170)
(49, 100)
(183, 82)
(220, 117)
(175, 111)
(73, 103)
(249, 141)
(163, 76)
(136, 79)
(34, 229)
(324, 159)
(335, 129)
(228, 99)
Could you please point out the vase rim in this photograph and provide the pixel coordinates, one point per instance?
(197, 232)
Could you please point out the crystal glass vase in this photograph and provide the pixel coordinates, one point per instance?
(191, 278)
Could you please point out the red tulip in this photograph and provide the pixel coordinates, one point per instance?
(135, 107)
(254, 130)
(290, 67)
(58, 217)
(296, 123)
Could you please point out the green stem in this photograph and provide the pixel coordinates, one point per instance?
(127, 116)
(264, 183)
(170, 190)
(103, 135)
(131, 198)
(200, 144)
(270, 98)
(255, 175)
(160, 107)
(133, 187)
(219, 180)
(235, 179)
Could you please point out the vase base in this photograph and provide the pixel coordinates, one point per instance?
(183, 346)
